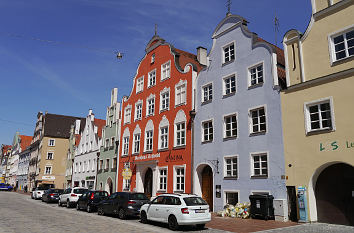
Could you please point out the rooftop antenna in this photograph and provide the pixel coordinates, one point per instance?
(276, 28)
(228, 4)
(155, 29)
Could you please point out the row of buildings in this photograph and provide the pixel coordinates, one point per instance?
(245, 118)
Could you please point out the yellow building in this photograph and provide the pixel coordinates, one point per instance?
(317, 109)
(53, 148)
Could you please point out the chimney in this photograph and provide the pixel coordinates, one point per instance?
(77, 126)
(202, 55)
(114, 96)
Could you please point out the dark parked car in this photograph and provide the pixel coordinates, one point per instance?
(90, 200)
(52, 195)
(122, 204)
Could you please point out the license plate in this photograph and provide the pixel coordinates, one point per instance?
(199, 211)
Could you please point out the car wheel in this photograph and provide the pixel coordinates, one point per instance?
(143, 217)
(172, 223)
(59, 203)
(200, 226)
(42, 200)
(77, 206)
(100, 211)
(121, 213)
(88, 208)
(67, 204)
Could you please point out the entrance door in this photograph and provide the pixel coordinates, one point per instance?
(292, 208)
(334, 195)
(148, 183)
(207, 186)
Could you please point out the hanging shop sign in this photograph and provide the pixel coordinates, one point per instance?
(127, 173)
(48, 177)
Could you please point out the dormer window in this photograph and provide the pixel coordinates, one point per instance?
(229, 53)
(152, 58)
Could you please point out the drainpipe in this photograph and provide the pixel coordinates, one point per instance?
(192, 115)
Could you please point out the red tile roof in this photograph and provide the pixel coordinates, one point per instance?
(25, 141)
(100, 124)
(186, 57)
(5, 149)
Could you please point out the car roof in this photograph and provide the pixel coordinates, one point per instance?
(179, 195)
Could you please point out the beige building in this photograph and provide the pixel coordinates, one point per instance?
(317, 113)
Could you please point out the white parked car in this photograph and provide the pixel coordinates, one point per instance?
(177, 209)
(70, 196)
(38, 192)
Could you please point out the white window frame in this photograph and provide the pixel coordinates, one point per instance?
(164, 68)
(175, 178)
(126, 184)
(257, 108)
(153, 56)
(223, 52)
(307, 105)
(233, 75)
(180, 131)
(253, 154)
(106, 164)
(107, 143)
(100, 164)
(52, 152)
(163, 92)
(159, 179)
(94, 164)
(148, 112)
(140, 84)
(249, 74)
(88, 165)
(231, 191)
(112, 141)
(127, 114)
(138, 113)
(237, 167)
(114, 162)
(224, 125)
(125, 147)
(150, 76)
(51, 140)
(179, 99)
(147, 141)
(205, 96)
(135, 142)
(209, 133)
(332, 51)
(161, 136)
(45, 170)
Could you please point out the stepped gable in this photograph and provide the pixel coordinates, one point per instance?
(100, 123)
(58, 125)
(25, 141)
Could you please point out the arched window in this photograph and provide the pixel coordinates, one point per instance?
(126, 136)
(149, 135)
(163, 133)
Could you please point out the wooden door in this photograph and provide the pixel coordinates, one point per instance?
(207, 186)
(148, 183)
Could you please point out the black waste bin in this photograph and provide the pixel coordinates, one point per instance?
(262, 206)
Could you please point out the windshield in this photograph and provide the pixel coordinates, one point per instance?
(192, 201)
(57, 191)
(80, 191)
(138, 196)
(101, 194)
(42, 188)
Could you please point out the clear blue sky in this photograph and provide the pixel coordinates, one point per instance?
(78, 73)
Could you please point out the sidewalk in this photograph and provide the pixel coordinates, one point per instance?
(245, 225)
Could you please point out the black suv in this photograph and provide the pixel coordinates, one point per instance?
(90, 199)
(123, 204)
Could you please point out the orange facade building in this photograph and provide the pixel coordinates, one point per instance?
(156, 132)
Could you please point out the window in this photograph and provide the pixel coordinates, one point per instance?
(88, 165)
(260, 165)
(126, 184)
(207, 93)
(231, 198)
(207, 131)
(230, 167)
(148, 140)
(76, 167)
(165, 70)
(256, 75)
(152, 78)
(230, 126)
(180, 134)
(107, 164)
(153, 58)
(127, 114)
(94, 164)
(136, 143)
(258, 120)
(100, 165)
(163, 179)
(165, 100)
(164, 137)
(112, 142)
(180, 94)
(51, 142)
(230, 85)
(150, 106)
(138, 111)
(319, 116)
(140, 84)
(114, 163)
(84, 166)
(229, 53)
(107, 143)
(125, 145)
(343, 45)
(80, 166)
(179, 186)
(48, 170)
(50, 155)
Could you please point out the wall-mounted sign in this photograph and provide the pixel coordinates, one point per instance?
(149, 156)
(90, 177)
(48, 177)
(335, 145)
(127, 173)
(172, 158)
